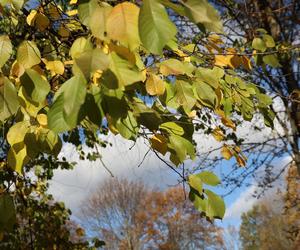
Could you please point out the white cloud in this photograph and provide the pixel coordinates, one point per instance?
(122, 159)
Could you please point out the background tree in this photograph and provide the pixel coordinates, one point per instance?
(292, 205)
(128, 215)
(265, 227)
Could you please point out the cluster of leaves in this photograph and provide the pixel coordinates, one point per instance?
(122, 68)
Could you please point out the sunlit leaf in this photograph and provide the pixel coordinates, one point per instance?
(155, 27)
(124, 16)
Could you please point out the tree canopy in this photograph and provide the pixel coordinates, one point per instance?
(153, 69)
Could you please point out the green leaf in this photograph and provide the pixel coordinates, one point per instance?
(128, 127)
(5, 49)
(210, 76)
(17, 157)
(7, 212)
(98, 20)
(176, 7)
(91, 61)
(172, 127)
(28, 54)
(64, 113)
(86, 9)
(31, 107)
(146, 116)
(92, 106)
(35, 86)
(56, 120)
(269, 41)
(215, 207)
(9, 103)
(17, 132)
(271, 60)
(206, 95)
(48, 141)
(195, 182)
(155, 27)
(184, 95)
(181, 146)
(259, 44)
(201, 12)
(79, 46)
(209, 178)
(125, 72)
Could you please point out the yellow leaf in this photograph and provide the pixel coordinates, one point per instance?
(30, 19)
(226, 152)
(72, 12)
(216, 39)
(159, 143)
(155, 85)
(218, 134)
(72, 2)
(228, 123)
(122, 25)
(111, 126)
(42, 22)
(221, 60)
(241, 160)
(192, 114)
(97, 75)
(42, 119)
(56, 67)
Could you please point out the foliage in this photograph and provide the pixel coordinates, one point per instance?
(68, 73)
(128, 215)
(265, 227)
(292, 205)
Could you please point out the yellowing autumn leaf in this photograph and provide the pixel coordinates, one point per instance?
(42, 119)
(30, 19)
(216, 39)
(56, 67)
(72, 12)
(226, 152)
(228, 123)
(159, 143)
(155, 85)
(17, 70)
(246, 63)
(55, 11)
(218, 134)
(42, 22)
(122, 25)
(241, 160)
(221, 60)
(72, 2)
(63, 32)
